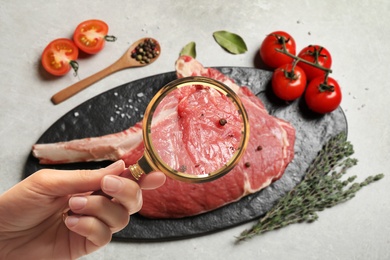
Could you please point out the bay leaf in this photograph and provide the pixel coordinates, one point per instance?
(189, 50)
(231, 42)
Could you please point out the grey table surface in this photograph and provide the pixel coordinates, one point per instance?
(356, 33)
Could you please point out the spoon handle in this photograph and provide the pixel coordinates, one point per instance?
(84, 83)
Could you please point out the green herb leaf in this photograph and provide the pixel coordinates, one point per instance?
(189, 50)
(231, 42)
(321, 188)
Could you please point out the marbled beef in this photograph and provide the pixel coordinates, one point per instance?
(270, 149)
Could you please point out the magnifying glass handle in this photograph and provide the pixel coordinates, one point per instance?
(134, 171)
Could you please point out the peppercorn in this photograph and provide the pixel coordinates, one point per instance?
(145, 51)
(222, 121)
(247, 164)
(183, 168)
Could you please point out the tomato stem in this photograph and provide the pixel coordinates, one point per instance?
(298, 59)
(294, 64)
(110, 38)
(326, 78)
(75, 66)
(316, 53)
(282, 40)
(324, 87)
(291, 74)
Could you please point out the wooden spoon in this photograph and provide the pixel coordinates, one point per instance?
(126, 61)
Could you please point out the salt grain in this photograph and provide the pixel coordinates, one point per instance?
(76, 114)
(140, 94)
(112, 119)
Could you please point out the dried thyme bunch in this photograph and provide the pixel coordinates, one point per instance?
(322, 187)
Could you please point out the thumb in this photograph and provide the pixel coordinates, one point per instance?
(152, 180)
(65, 182)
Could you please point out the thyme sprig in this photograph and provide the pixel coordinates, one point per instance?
(321, 188)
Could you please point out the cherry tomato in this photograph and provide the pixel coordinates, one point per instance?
(318, 55)
(288, 85)
(323, 98)
(60, 56)
(270, 56)
(91, 35)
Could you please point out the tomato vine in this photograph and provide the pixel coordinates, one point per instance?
(322, 93)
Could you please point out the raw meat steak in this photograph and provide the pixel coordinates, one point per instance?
(269, 151)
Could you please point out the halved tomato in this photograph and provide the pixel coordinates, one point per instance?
(60, 56)
(91, 35)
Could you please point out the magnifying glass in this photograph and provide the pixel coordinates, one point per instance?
(195, 129)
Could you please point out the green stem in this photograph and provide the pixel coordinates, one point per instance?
(317, 54)
(298, 59)
(110, 38)
(75, 66)
(291, 74)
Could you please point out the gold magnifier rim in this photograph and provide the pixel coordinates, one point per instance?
(151, 154)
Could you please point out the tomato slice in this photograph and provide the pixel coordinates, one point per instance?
(90, 36)
(60, 56)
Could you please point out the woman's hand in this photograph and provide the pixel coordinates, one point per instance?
(32, 219)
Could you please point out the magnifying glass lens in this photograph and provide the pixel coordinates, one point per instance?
(195, 129)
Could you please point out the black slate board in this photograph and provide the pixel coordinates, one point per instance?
(123, 106)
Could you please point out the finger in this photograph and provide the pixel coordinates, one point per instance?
(114, 215)
(152, 180)
(124, 191)
(91, 228)
(148, 181)
(64, 182)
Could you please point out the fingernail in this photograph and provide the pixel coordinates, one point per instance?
(114, 165)
(139, 195)
(77, 203)
(72, 221)
(112, 184)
